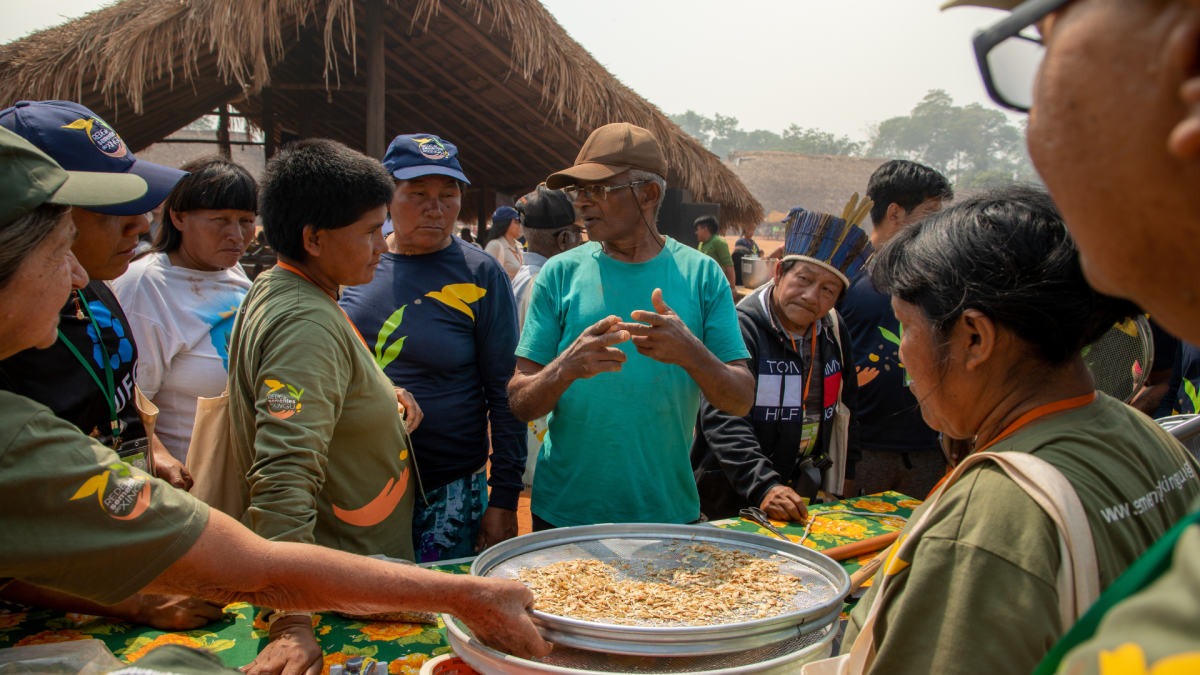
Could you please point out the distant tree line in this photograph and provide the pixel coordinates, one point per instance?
(972, 145)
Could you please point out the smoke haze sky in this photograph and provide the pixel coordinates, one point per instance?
(838, 66)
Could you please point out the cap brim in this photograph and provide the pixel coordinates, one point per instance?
(580, 172)
(408, 172)
(91, 189)
(160, 180)
(994, 4)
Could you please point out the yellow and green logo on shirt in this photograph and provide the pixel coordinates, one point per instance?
(457, 296)
(121, 494)
(282, 404)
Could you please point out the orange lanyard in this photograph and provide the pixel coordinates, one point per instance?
(1036, 413)
(812, 361)
(293, 270)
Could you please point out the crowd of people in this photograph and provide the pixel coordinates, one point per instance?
(391, 388)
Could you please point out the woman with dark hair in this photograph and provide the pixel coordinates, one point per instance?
(314, 421)
(181, 297)
(1062, 488)
(443, 323)
(501, 240)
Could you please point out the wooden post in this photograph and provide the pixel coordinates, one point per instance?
(268, 124)
(376, 80)
(223, 131)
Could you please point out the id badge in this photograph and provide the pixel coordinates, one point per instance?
(136, 453)
(808, 433)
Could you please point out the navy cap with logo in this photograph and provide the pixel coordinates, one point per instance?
(80, 141)
(546, 209)
(412, 155)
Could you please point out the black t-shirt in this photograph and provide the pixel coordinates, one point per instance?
(889, 417)
(57, 380)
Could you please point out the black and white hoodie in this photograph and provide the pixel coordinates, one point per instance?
(736, 460)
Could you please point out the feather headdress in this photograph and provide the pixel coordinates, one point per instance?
(837, 244)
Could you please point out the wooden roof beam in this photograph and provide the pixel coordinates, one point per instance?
(482, 158)
(533, 81)
(354, 114)
(474, 65)
(144, 136)
(479, 101)
(449, 113)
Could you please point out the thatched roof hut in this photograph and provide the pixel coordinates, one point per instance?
(500, 78)
(783, 180)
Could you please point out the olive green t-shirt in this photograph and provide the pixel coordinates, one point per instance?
(717, 249)
(980, 595)
(75, 518)
(1157, 629)
(315, 425)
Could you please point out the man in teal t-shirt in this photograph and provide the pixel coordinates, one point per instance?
(622, 383)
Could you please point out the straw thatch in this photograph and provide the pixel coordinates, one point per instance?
(783, 180)
(500, 78)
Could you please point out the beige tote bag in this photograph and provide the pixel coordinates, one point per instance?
(1078, 575)
(217, 480)
(834, 480)
(149, 414)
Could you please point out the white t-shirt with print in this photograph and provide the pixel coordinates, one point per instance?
(181, 320)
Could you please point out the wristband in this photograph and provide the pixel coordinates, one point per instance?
(279, 614)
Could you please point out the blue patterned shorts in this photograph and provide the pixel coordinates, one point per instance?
(447, 526)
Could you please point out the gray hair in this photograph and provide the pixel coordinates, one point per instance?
(20, 238)
(636, 175)
(545, 242)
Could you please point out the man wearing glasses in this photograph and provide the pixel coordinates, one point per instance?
(1113, 92)
(621, 415)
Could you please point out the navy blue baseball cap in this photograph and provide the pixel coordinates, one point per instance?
(413, 155)
(505, 213)
(80, 141)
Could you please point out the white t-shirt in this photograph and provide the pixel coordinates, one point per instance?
(181, 320)
(508, 253)
(524, 281)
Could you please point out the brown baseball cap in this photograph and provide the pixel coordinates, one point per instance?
(997, 4)
(610, 150)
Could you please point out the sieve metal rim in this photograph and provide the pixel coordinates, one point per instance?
(489, 661)
(710, 647)
(658, 636)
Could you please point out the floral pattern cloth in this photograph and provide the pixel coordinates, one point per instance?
(832, 528)
(406, 647)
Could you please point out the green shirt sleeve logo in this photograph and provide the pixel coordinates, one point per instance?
(282, 404)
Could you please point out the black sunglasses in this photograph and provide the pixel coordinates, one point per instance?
(1009, 57)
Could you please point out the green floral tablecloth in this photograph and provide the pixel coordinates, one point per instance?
(832, 529)
(238, 639)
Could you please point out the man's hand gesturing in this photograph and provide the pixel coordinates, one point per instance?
(592, 352)
(666, 339)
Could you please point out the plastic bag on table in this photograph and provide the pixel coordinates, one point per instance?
(78, 657)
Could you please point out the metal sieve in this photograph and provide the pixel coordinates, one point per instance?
(1121, 359)
(778, 658)
(647, 547)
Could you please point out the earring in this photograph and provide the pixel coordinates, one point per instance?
(78, 309)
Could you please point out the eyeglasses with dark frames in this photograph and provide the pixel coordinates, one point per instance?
(597, 193)
(1010, 54)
